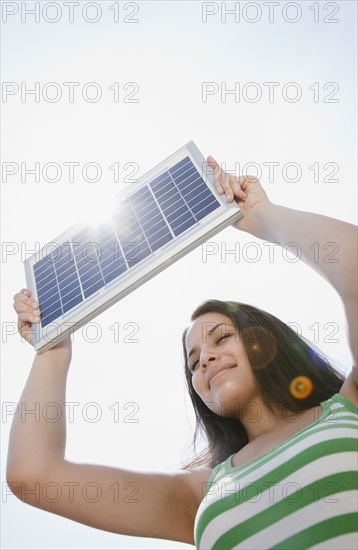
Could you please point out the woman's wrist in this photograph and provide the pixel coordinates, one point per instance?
(60, 353)
(264, 221)
(258, 221)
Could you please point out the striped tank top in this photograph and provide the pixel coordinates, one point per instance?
(301, 494)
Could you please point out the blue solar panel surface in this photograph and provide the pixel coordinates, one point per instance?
(144, 222)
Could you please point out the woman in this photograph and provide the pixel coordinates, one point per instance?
(279, 469)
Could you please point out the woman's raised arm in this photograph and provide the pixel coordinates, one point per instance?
(117, 500)
(326, 244)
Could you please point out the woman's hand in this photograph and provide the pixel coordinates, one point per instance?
(245, 190)
(28, 312)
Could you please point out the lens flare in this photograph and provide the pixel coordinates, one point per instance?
(261, 345)
(233, 308)
(301, 387)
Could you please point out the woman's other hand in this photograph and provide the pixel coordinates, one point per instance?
(245, 190)
(28, 312)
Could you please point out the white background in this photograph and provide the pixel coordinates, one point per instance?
(169, 53)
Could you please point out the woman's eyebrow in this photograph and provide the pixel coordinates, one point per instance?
(209, 333)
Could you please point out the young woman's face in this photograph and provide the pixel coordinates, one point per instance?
(221, 373)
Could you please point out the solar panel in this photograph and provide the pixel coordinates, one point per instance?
(168, 212)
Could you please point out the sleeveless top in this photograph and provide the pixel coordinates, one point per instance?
(301, 494)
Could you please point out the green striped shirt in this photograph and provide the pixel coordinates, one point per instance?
(301, 494)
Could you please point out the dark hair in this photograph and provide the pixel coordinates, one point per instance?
(277, 355)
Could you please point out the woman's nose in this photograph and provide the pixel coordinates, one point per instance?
(206, 358)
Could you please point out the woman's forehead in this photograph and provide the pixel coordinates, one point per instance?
(205, 323)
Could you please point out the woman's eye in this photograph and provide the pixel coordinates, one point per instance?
(222, 338)
(192, 367)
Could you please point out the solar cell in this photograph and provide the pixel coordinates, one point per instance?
(170, 211)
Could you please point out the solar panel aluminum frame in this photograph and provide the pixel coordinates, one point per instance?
(226, 214)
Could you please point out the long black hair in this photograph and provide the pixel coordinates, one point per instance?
(277, 356)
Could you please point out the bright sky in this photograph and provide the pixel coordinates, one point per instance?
(166, 60)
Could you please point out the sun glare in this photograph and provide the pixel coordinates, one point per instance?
(98, 210)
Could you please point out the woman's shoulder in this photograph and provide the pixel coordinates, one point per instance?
(349, 390)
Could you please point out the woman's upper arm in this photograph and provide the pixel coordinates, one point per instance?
(350, 306)
(350, 386)
(157, 505)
